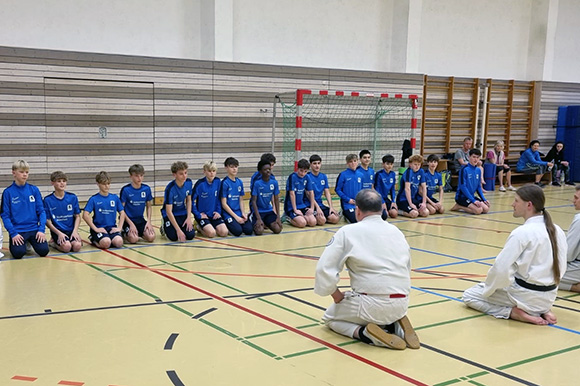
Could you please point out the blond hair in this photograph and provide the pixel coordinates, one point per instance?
(210, 166)
(20, 165)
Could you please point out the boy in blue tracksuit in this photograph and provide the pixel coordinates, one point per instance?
(348, 184)
(385, 184)
(176, 209)
(104, 231)
(137, 199)
(265, 203)
(63, 215)
(367, 173)
(206, 205)
(320, 187)
(469, 183)
(23, 213)
(299, 202)
(412, 196)
(232, 199)
(434, 186)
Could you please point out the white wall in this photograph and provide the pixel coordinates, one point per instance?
(167, 28)
(322, 33)
(510, 39)
(566, 65)
(475, 38)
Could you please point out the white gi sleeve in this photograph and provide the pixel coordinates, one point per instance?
(330, 265)
(503, 270)
(573, 239)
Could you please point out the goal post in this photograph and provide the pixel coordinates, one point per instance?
(333, 124)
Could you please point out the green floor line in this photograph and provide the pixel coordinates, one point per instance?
(510, 365)
(296, 354)
(220, 329)
(450, 321)
(280, 331)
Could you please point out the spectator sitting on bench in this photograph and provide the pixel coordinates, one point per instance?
(530, 162)
(497, 157)
(556, 154)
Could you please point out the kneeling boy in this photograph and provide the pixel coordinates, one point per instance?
(298, 188)
(63, 215)
(104, 206)
(265, 202)
(136, 197)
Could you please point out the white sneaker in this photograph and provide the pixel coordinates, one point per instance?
(501, 189)
(512, 188)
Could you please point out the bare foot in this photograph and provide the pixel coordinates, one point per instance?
(550, 317)
(575, 288)
(523, 316)
(456, 208)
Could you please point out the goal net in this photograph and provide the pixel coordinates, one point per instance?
(333, 124)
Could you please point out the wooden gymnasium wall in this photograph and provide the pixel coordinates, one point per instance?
(83, 112)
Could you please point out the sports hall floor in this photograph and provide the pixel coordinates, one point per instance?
(241, 311)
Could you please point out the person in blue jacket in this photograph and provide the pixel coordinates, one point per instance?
(530, 162)
(470, 183)
(206, 204)
(348, 184)
(23, 214)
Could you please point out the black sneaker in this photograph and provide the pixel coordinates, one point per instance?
(556, 183)
(539, 184)
(570, 183)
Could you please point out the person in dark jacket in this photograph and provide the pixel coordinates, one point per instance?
(556, 155)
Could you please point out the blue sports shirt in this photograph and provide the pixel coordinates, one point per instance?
(299, 185)
(469, 182)
(104, 209)
(176, 196)
(62, 211)
(264, 190)
(319, 183)
(22, 209)
(135, 200)
(204, 198)
(433, 183)
(348, 184)
(385, 185)
(367, 177)
(415, 178)
(232, 190)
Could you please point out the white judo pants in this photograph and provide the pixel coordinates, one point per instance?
(572, 275)
(357, 310)
(501, 302)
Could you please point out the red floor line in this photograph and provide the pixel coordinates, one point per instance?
(71, 383)
(283, 325)
(23, 378)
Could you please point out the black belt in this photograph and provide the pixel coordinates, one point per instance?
(533, 287)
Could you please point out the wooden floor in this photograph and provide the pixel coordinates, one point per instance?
(241, 311)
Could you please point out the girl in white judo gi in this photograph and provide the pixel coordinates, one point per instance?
(571, 279)
(523, 282)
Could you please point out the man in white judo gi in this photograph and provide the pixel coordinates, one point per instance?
(377, 256)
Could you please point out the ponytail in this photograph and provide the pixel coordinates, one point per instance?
(552, 234)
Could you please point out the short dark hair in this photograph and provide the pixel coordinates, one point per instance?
(532, 143)
(268, 157)
(389, 159)
(433, 157)
(59, 175)
(475, 151)
(363, 152)
(314, 158)
(262, 163)
(369, 200)
(136, 169)
(303, 164)
(231, 161)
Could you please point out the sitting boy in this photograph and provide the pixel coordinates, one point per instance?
(298, 187)
(348, 184)
(367, 173)
(468, 185)
(265, 201)
(205, 203)
(412, 196)
(434, 186)
(232, 200)
(23, 214)
(104, 206)
(136, 197)
(63, 215)
(320, 186)
(176, 209)
(385, 181)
